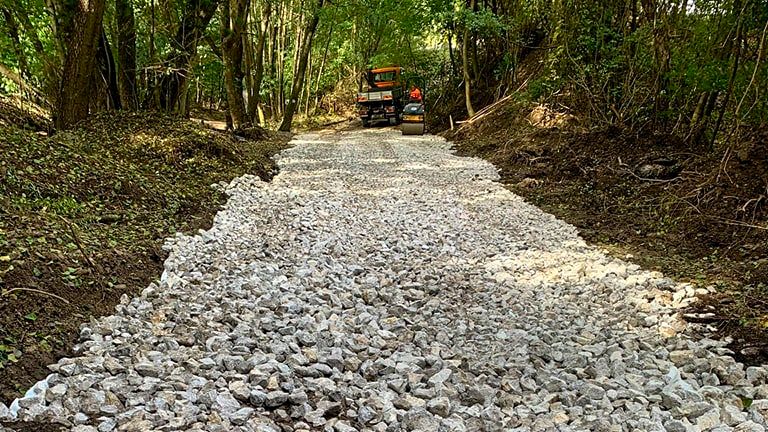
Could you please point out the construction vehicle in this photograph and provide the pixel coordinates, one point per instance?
(382, 96)
(413, 119)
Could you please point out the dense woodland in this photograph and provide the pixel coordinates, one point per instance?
(695, 68)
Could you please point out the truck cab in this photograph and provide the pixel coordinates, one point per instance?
(381, 96)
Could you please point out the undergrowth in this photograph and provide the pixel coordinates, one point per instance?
(83, 214)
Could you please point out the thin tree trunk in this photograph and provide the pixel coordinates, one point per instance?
(76, 86)
(308, 84)
(729, 90)
(277, 100)
(298, 80)
(248, 60)
(322, 66)
(450, 53)
(18, 49)
(173, 83)
(126, 53)
(234, 20)
(108, 71)
(225, 31)
(465, 71)
(253, 103)
(272, 58)
(63, 16)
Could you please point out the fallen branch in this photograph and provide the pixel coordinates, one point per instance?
(334, 123)
(7, 292)
(649, 179)
(483, 112)
(78, 244)
(737, 223)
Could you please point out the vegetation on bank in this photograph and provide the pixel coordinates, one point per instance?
(83, 215)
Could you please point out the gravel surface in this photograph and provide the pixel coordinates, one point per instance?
(380, 283)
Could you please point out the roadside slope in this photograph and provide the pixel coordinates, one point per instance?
(689, 212)
(82, 217)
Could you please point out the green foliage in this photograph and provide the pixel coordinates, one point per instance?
(8, 352)
(621, 62)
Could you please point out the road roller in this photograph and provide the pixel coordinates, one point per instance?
(413, 119)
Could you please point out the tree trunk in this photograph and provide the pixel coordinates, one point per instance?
(465, 71)
(308, 84)
(255, 99)
(108, 71)
(322, 65)
(279, 97)
(450, 53)
(738, 42)
(126, 53)
(234, 17)
(75, 93)
(184, 49)
(298, 79)
(63, 17)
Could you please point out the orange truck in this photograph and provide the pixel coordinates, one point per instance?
(382, 96)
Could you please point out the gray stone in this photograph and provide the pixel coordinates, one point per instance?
(365, 414)
(439, 406)
(226, 403)
(440, 377)
(420, 419)
(240, 390)
(147, 369)
(275, 399)
(342, 426)
(241, 416)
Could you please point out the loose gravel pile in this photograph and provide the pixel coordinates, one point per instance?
(380, 283)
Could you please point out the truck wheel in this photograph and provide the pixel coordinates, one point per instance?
(366, 123)
(393, 121)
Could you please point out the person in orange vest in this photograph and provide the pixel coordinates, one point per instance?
(415, 95)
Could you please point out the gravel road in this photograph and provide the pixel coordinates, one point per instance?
(380, 283)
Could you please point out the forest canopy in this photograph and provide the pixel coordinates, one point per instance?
(695, 68)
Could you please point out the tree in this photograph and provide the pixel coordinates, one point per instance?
(257, 57)
(173, 84)
(126, 53)
(298, 79)
(233, 21)
(108, 71)
(465, 66)
(76, 83)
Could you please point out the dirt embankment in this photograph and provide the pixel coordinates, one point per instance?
(83, 214)
(696, 214)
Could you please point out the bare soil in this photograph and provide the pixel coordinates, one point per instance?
(694, 213)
